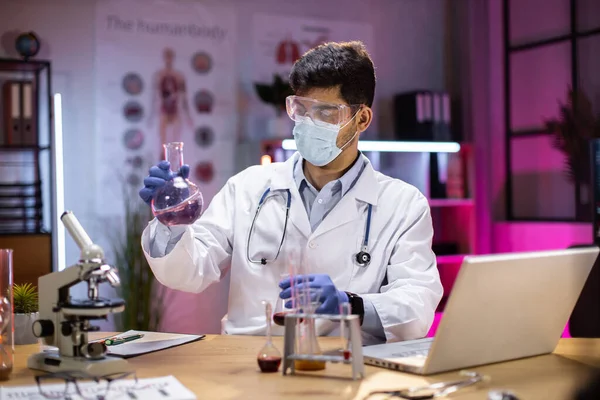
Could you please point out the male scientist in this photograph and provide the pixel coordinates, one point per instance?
(365, 237)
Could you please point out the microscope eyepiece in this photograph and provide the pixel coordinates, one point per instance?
(75, 229)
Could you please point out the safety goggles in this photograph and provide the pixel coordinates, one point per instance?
(321, 113)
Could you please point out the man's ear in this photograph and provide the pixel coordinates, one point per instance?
(365, 116)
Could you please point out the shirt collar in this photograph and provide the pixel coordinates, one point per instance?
(346, 181)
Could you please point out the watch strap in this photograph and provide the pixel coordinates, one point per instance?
(356, 305)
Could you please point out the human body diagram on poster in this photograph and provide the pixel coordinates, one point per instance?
(169, 101)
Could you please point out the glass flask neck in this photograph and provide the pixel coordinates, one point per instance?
(268, 315)
(174, 155)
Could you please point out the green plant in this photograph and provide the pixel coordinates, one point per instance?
(573, 130)
(143, 295)
(25, 298)
(274, 93)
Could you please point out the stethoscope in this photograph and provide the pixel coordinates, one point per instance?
(362, 258)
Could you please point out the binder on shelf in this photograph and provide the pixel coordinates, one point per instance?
(448, 176)
(423, 116)
(18, 98)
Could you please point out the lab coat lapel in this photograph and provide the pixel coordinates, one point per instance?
(365, 190)
(283, 178)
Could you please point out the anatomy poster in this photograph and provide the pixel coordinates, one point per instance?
(165, 73)
(278, 41)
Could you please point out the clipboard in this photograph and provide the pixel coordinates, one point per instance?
(149, 343)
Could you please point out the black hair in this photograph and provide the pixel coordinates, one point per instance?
(346, 64)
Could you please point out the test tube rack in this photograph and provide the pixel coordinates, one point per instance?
(354, 336)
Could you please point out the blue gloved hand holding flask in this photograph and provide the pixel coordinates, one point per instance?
(158, 177)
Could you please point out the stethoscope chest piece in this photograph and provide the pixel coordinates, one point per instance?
(363, 258)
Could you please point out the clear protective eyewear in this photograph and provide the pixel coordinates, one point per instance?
(321, 113)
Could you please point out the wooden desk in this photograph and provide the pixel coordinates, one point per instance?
(224, 367)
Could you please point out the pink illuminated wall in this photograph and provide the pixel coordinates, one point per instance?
(539, 82)
(540, 79)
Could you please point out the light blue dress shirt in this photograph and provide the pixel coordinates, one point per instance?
(317, 204)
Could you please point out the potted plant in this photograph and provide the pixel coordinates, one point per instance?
(574, 131)
(142, 293)
(274, 94)
(25, 312)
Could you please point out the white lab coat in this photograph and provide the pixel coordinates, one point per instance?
(399, 243)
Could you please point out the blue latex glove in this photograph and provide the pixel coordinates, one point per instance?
(330, 298)
(158, 176)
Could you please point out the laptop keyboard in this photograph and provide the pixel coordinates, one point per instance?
(412, 350)
(414, 353)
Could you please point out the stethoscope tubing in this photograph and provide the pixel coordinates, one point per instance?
(363, 254)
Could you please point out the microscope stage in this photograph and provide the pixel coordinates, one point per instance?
(93, 307)
(92, 312)
(99, 303)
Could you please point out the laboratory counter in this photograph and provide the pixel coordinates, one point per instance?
(225, 367)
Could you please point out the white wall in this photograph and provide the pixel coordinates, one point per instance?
(408, 55)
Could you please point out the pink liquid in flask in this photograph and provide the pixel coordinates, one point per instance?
(179, 201)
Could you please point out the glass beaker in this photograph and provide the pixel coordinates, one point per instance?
(6, 320)
(307, 336)
(179, 201)
(284, 306)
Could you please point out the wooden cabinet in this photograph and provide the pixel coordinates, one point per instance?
(32, 256)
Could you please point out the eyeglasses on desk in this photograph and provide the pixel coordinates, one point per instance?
(68, 385)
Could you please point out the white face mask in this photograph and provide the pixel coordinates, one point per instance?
(318, 144)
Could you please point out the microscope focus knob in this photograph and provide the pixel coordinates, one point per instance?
(43, 328)
(66, 329)
(93, 350)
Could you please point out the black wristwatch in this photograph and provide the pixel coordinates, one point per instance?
(357, 306)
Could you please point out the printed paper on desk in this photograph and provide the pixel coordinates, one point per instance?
(387, 380)
(151, 342)
(161, 388)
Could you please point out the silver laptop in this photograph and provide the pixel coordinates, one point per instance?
(502, 307)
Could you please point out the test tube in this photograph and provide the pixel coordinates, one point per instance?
(345, 333)
(292, 272)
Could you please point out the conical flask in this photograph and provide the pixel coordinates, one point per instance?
(179, 201)
(307, 338)
(268, 358)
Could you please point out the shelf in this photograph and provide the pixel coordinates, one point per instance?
(20, 232)
(13, 185)
(394, 146)
(16, 147)
(451, 203)
(18, 65)
(547, 220)
(451, 258)
(28, 230)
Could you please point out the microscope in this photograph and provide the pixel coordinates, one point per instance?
(64, 322)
